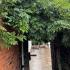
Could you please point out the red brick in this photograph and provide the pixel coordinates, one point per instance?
(9, 58)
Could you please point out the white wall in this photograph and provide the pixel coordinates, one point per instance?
(29, 46)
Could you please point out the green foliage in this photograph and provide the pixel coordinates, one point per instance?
(58, 12)
(63, 7)
(37, 30)
(57, 26)
(43, 18)
(54, 16)
(15, 21)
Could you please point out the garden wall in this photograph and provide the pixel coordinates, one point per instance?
(9, 58)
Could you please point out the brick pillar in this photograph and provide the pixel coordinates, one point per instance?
(9, 58)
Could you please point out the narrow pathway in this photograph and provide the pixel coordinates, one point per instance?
(42, 60)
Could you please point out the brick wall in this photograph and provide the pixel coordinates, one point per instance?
(9, 58)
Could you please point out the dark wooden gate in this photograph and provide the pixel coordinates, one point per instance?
(55, 52)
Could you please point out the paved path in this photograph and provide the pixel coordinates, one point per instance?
(43, 59)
